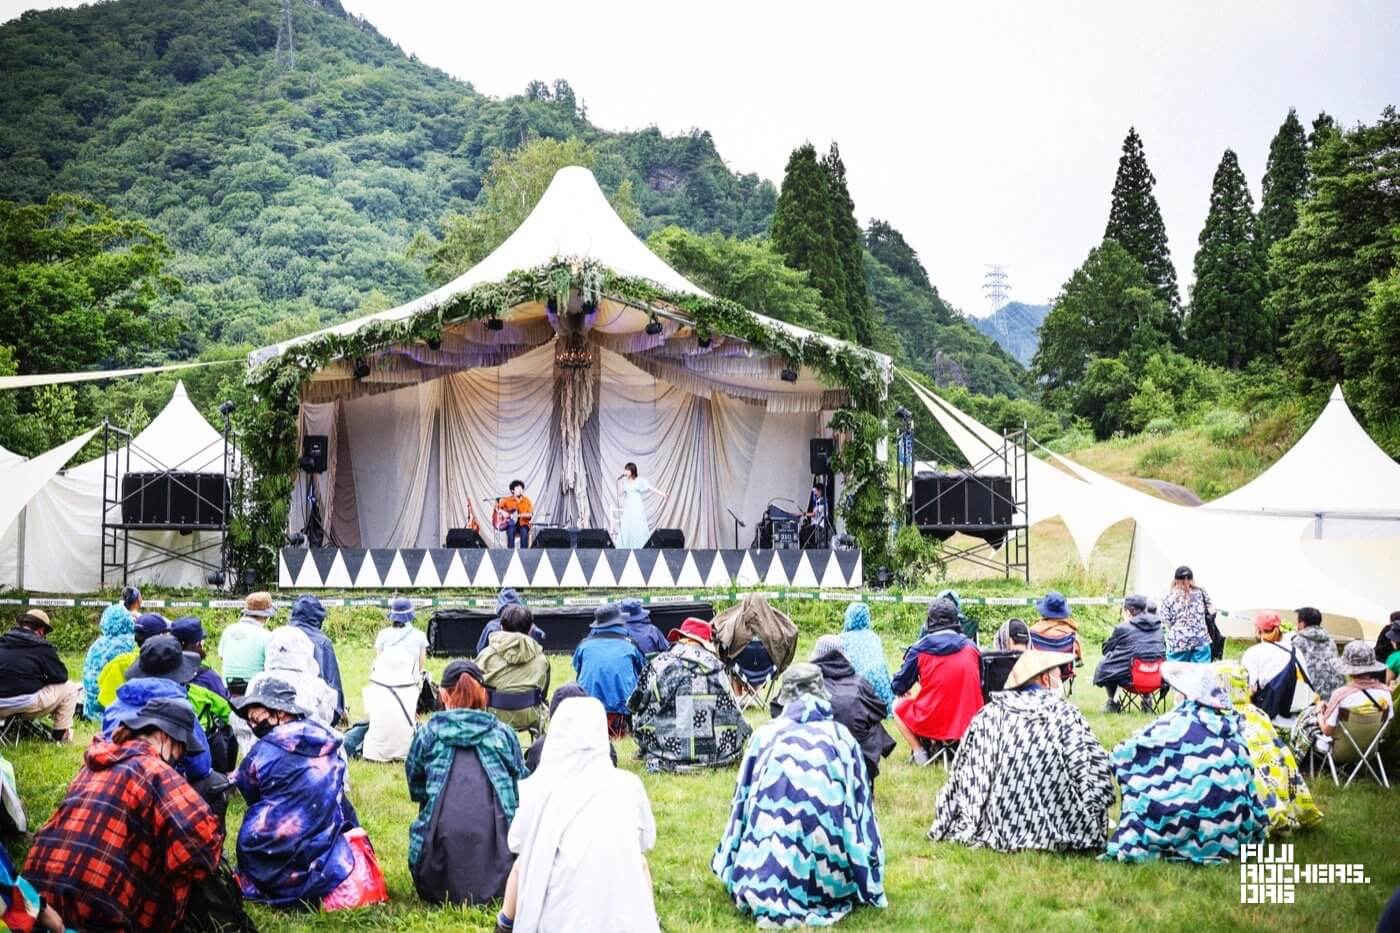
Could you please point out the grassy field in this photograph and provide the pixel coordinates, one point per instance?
(929, 885)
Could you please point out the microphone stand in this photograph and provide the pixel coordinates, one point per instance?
(737, 525)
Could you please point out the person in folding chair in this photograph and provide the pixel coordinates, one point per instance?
(947, 668)
(516, 674)
(1139, 635)
(34, 682)
(736, 629)
(1276, 673)
(1057, 631)
(1277, 778)
(752, 673)
(607, 663)
(1361, 708)
(683, 711)
(1029, 773)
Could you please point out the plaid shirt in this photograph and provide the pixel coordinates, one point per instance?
(127, 843)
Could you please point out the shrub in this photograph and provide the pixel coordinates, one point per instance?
(1224, 424)
(1158, 456)
(1160, 426)
(914, 557)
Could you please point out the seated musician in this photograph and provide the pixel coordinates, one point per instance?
(513, 514)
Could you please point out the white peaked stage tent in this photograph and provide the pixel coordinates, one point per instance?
(59, 536)
(431, 431)
(1321, 527)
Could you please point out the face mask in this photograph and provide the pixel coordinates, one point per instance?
(263, 728)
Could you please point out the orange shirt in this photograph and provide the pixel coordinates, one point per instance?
(521, 504)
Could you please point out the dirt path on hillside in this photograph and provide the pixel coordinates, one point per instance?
(1171, 491)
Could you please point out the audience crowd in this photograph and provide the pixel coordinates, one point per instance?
(557, 835)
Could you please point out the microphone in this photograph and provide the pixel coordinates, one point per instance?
(736, 518)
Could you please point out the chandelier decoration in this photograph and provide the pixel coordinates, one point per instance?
(571, 346)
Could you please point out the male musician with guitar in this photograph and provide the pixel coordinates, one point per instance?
(512, 515)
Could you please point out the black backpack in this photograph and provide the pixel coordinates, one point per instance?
(1276, 697)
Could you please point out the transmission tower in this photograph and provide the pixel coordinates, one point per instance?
(996, 285)
(286, 50)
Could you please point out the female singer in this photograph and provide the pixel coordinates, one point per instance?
(634, 532)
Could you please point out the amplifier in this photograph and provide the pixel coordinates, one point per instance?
(175, 499)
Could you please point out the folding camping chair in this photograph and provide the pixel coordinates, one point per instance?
(14, 727)
(1064, 644)
(1147, 685)
(515, 700)
(1357, 743)
(753, 673)
(996, 667)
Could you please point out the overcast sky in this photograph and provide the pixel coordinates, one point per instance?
(985, 132)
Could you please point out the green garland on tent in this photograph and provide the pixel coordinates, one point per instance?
(269, 429)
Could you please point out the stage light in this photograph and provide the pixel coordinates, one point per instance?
(703, 341)
(789, 374)
(296, 540)
(361, 368)
(653, 327)
(883, 578)
(495, 323)
(214, 578)
(434, 343)
(250, 579)
(227, 408)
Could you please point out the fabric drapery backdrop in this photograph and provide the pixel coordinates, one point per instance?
(420, 454)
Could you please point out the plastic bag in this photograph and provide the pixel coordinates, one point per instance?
(365, 883)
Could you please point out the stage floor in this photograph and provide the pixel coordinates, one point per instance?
(563, 568)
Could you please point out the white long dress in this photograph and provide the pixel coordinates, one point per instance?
(634, 531)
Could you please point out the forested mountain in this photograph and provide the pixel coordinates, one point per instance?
(290, 193)
(1015, 327)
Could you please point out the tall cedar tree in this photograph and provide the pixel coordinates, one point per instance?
(850, 243)
(1135, 220)
(1285, 182)
(1322, 127)
(1333, 271)
(1226, 324)
(803, 233)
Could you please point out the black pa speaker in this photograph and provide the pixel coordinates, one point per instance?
(551, 537)
(463, 537)
(314, 453)
(594, 538)
(177, 499)
(666, 538)
(820, 450)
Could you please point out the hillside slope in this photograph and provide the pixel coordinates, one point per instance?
(1015, 327)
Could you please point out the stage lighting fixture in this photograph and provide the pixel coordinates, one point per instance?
(434, 343)
(495, 323)
(296, 540)
(361, 368)
(703, 341)
(214, 578)
(227, 408)
(789, 374)
(883, 577)
(250, 579)
(653, 327)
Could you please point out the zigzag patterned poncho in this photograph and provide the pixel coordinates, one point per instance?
(1188, 789)
(802, 846)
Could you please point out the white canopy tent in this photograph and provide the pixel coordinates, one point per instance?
(1274, 555)
(432, 432)
(62, 528)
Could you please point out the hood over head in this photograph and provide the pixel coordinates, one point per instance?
(307, 610)
(304, 737)
(288, 649)
(515, 647)
(116, 620)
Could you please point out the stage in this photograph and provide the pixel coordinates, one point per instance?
(563, 568)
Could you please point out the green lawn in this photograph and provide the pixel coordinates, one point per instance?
(929, 885)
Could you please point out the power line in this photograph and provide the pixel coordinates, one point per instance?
(996, 286)
(286, 51)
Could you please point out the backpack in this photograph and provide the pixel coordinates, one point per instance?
(1276, 697)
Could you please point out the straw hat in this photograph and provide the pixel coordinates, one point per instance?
(1031, 664)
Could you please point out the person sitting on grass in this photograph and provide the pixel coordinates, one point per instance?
(517, 673)
(148, 625)
(580, 836)
(1029, 773)
(309, 615)
(1363, 693)
(638, 621)
(507, 597)
(117, 627)
(866, 652)
(948, 670)
(802, 845)
(190, 632)
(1186, 779)
(33, 677)
(292, 657)
(390, 701)
(462, 772)
(243, 645)
(292, 849)
(535, 752)
(683, 711)
(401, 635)
(854, 703)
(1277, 779)
(1138, 636)
(608, 663)
(131, 838)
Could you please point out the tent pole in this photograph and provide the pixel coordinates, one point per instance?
(1128, 564)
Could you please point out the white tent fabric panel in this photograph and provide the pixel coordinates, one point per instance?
(23, 480)
(391, 442)
(176, 439)
(9, 540)
(1334, 467)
